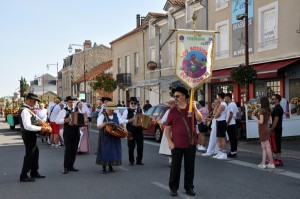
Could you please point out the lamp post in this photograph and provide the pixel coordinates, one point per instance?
(48, 65)
(84, 80)
(242, 17)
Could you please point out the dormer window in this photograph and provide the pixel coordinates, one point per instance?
(151, 29)
(189, 10)
(171, 20)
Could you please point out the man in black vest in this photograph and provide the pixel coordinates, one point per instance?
(29, 130)
(136, 132)
(71, 135)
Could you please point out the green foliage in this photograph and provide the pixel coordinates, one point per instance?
(105, 82)
(2, 99)
(23, 86)
(244, 75)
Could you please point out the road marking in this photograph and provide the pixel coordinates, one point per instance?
(152, 143)
(11, 144)
(165, 187)
(123, 168)
(94, 131)
(276, 170)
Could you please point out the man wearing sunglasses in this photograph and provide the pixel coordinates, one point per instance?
(137, 132)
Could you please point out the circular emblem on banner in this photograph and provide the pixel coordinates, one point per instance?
(151, 65)
(194, 64)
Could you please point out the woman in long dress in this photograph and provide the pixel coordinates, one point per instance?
(213, 147)
(164, 147)
(84, 144)
(109, 147)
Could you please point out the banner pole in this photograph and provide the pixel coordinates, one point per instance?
(191, 100)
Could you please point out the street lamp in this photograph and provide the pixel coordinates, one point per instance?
(242, 17)
(48, 65)
(84, 80)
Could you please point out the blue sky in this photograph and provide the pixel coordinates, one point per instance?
(34, 33)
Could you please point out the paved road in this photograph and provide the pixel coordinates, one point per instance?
(239, 178)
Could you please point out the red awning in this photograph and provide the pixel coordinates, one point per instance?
(273, 66)
(260, 68)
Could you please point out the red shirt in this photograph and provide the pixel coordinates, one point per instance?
(180, 134)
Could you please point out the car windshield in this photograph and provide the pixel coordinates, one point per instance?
(157, 111)
(150, 111)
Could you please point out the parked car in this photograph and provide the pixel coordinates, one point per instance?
(156, 130)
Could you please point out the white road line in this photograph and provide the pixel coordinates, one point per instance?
(165, 187)
(95, 131)
(123, 168)
(152, 143)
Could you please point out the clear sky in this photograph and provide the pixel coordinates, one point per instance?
(34, 33)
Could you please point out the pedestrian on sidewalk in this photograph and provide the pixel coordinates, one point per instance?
(231, 125)
(29, 131)
(213, 146)
(180, 123)
(276, 129)
(263, 118)
(52, 114)
(202, 127)
(220, 116)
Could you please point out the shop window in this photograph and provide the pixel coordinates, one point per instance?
(266, 88)
(273, 87)
(294, 90)
(221, 88)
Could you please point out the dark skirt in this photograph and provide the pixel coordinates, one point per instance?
(109, 150)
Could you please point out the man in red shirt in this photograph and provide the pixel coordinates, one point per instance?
(180, 123)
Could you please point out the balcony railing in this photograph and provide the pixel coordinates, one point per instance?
(124, 79)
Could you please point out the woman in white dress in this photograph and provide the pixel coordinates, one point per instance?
(213, 147)
(164, 147)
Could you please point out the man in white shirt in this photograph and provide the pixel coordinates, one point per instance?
(52, 114)
(231, 124)
(29, 130)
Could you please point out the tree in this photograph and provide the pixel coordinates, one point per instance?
(105, 83)
(244, 75)
(23, 86)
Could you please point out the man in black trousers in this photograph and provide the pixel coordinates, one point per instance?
(71, 135)
(29, 130)
(136, 132)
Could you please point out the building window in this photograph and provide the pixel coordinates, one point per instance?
(221, 4)
(136, 63)
(152, 54)
(218, 88)
(151, 29)
(189, 11)
(119, 66)
(222, 41)
(172, 54)
(268, 27)
(266, 88)
(127, 64)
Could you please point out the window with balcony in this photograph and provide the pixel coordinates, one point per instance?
(222, 40)
(119, 66)
(136, 63)
(268, 27)
(152, 54)
(127, 64)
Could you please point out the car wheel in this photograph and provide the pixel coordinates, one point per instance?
(158, 134)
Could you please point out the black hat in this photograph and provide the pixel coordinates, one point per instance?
(70, 98)
(32, 96)
(133, 99)
(181, 90)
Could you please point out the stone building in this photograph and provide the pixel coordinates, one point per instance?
(89, 57)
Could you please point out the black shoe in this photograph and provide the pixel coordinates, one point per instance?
(230, 155)
(65, 171)
(173, 193)
(37, 175)
(140, 163)
(110, 169)
(190, 192)
(73, 169)
(104, 170)
(131, 163)
(26, 179)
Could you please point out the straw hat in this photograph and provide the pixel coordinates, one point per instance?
(110, 106)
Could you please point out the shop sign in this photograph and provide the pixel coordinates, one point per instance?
(152, 65)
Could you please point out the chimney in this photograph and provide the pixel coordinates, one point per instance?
(138, 20)
(87, 44)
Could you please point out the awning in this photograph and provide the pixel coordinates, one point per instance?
(269, 67)
(273, 66)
